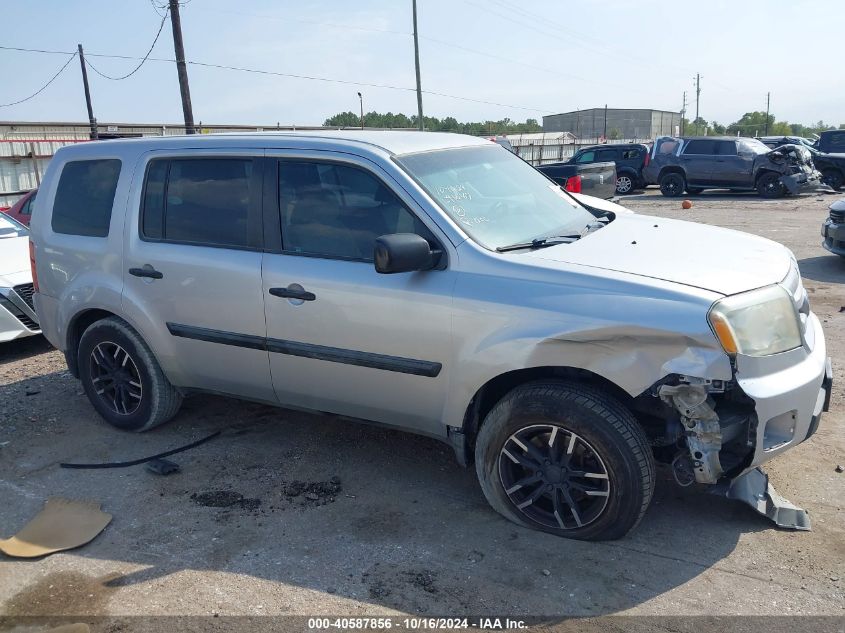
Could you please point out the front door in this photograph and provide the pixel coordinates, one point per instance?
(698, 160)
(731, 168)
(342, 337)
(193, 270)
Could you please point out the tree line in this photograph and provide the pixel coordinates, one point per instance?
(754, 124)
(750, 124)
(433, 124)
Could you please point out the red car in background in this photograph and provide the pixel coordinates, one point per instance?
(22, 209)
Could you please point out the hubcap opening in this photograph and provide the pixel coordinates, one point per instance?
(116, 379)
(554, 477)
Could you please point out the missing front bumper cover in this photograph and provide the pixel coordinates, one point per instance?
(754, 489)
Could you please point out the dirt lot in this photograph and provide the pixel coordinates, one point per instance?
(290, 513)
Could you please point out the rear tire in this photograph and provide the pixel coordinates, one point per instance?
(769, 186)
(596, 486)
(625, 184)
(672, 184)
(122, 378)
(833, 179)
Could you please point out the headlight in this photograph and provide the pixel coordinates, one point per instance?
(757, 323)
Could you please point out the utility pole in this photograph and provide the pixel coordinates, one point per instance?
(697, 93)
(417, 65)
(605, 123)
(91, 120)
(361, 99)
(768, 103)
(683, 112)
(181, 68)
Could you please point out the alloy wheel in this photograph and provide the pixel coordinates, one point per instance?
(624, 184)
(554, 477)
(115, 378)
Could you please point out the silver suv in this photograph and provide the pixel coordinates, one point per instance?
(439, 284)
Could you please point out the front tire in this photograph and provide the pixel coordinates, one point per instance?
(832, 179)
(565, 458)
(122, 378)
(672, 185)
(770, 186)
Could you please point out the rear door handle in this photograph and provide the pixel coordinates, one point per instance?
(293, 293)
(147, 271)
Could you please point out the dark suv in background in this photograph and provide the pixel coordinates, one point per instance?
(743, 164)
(630, 158)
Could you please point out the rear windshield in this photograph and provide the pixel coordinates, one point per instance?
(85, 196)
(497, 198)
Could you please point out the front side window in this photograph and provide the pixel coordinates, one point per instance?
(497, 198)
(203, 201)
(726, 148)
(85, 196)
(338, 211)
(586, 157)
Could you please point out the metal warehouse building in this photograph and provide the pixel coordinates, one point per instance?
(629, 123)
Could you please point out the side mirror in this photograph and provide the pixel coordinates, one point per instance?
(402, 253)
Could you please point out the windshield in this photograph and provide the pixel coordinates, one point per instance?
(496, 197)
(11, 228)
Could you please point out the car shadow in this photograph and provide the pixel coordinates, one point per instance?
(330, 505)
(22, 348)
(825, 268)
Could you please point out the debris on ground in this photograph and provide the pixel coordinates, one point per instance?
(423, 579)
(318, 492)
(142, 460)
(839, 468)
(62, 524)
(163, 467)
(546, 572)
(224, 499)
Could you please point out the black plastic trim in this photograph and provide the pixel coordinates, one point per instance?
(309, 350)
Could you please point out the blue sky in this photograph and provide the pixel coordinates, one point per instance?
(542, 56)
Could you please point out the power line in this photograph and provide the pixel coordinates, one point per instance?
(259, 71)
(138, 67)
(44, 87)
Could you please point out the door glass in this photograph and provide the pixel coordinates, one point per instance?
(338, 211)
(726, 148)
(206, 201)
(85, 196)
(700, 147)
(607, 156)
(586, 157)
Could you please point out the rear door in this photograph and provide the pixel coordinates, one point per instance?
(192, 279)
(342, 337)
(698, 158)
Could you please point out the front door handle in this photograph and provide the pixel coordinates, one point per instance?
(293, 293)
(147, 271)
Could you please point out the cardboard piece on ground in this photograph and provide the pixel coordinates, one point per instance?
(61, 524)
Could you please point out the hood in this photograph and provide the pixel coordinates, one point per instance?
(14, 258)
(599, 204)
(707, 257)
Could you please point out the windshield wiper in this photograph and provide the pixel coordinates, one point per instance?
(539, 243)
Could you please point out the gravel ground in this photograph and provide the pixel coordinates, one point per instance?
(292, 513)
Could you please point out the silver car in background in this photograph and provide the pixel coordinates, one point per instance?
(439, 284)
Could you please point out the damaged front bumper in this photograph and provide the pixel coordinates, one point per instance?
(833, 233)
(787, 394)
(804, 181)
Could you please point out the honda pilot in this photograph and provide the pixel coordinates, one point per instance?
(438, 284)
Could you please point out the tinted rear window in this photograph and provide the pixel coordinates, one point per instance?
(85, 196)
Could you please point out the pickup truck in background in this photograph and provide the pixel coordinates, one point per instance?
(831, 142)
(593, 179)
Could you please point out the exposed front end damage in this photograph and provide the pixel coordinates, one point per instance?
(719, 432)
(795, 166)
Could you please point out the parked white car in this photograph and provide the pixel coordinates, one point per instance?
(17, 314)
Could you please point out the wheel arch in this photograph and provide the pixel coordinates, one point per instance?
(492, 391)
(77, 325)
(671, 169)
